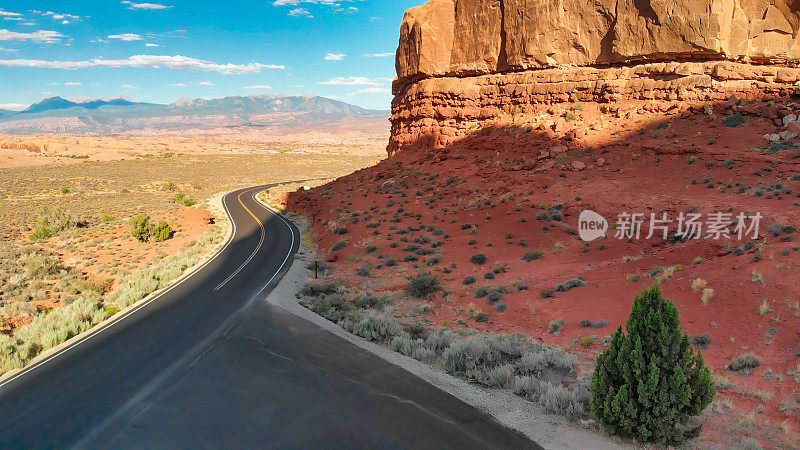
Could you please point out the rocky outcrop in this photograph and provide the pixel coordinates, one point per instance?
(465, 61)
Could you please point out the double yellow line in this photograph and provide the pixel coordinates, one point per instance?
(239, 197)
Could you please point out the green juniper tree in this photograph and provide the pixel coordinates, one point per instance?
(649, 383)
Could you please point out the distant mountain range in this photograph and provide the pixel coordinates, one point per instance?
(118, 114)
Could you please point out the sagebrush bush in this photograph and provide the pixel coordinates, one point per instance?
(185, 200)
(498, 376)
(531, 256)
(649, 383)
(422, 285)
(744, 362)
(478, 258)
(339, 245)
(569, 284)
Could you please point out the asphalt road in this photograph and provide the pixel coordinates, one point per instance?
(210, 364)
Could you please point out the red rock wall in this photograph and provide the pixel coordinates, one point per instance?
(463, 62)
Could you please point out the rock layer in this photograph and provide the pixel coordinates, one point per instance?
(461, 62)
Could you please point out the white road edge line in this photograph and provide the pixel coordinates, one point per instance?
(247, 261)
(291, 230)
(128, 313)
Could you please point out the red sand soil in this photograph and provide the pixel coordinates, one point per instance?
(499, 178)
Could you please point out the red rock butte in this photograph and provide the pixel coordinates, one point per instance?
(463, 63)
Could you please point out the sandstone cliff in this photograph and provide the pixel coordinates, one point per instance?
(462, 62)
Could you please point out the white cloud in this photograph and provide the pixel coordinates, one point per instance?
(145, 6)
(146, 61)
(205, 83)
(260, 87)
(41, 36)
(128, 86)
(7, 50)
(349, 81)
(177, 85)
(372, 91)
(378, 55)
(126, 37)
(69, 83)
(150, 44)
(61, 16)
(334, 97)
(334, 56)
(9, 13)
(13, 106)
(300, 12)
(18, 19)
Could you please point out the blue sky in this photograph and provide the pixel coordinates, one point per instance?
(158, 52)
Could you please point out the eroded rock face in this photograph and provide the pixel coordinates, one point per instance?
(490, 56)
(464, 37)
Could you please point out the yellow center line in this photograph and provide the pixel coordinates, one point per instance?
(239, 197)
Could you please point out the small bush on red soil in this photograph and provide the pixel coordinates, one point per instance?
(745, 362)
(478, 258)
(422, 285)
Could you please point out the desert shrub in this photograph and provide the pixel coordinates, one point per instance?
(315, 289)
(531, 256)
(489, 276)
(107, 218)
(53, 221)
(340, 230)
(469, 280)
(364, 271)
(498, 376)
(185, 200)
(555, 326)
(423, 354)
(161, 231)
(464, 355)
(481, 316)
(372, 326)
(401, 344)
(744, 362)
(548, 362)
(569, 284)
(439, 340)
(553, 397)
(700, 341)
(649, 383)
(546, 293)
(422, 285)
(339, 245)
(140, 227)
(481, 292)
(479, 258)
(734, 120)
(494, 297)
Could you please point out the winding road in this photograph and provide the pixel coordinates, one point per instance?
(210, 364)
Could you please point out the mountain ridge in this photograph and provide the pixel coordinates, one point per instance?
(104, 115)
